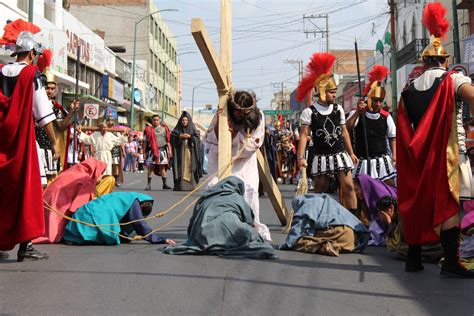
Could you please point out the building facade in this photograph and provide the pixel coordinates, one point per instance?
(156, 48)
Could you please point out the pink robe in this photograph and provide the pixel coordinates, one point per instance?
(71, 189)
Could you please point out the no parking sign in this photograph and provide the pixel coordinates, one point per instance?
(91, 110)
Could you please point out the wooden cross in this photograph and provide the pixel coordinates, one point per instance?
(221, 70)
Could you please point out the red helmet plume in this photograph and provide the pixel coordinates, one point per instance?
(320, 63)
(13, 29)
(434, 19)
(378, 73)
(45, 59)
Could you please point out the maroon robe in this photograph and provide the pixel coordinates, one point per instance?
(21, 198)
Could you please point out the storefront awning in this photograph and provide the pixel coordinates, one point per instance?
(84, 97)
(69, 81)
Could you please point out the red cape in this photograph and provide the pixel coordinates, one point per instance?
(424, 197)
(21, 199)
(153, 143)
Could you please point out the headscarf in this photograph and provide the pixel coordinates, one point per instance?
(180, 129)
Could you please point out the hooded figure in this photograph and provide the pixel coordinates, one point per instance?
(187, 164)
(222, 224)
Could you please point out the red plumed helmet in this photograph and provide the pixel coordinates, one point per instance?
(435, 21)
(378, 73)
(319, 65)
(13, 29)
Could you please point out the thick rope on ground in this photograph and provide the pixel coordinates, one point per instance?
(48, 207)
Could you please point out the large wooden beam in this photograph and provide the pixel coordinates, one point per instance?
(225, 138)
(271, 188)
(208, 52)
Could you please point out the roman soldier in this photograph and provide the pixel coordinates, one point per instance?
(431, 153)
(333, 154)
(377, 132)
(23, 103)
(61, 127)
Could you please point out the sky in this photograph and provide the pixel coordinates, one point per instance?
(266, 34)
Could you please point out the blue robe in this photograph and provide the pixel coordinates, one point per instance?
(317, 212)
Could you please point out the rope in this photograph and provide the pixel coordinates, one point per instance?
(302, 189)
(160, 214)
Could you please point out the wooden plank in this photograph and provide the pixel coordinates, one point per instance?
(271, 188)
(208, 52)
(225, 141)
(226, 40)
(108, 129)
(225, 138)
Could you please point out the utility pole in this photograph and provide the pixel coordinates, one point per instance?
(278, 88)
(30, 10)
(298, 62)
(282, 103)
(457, 54)
(315, 29)
(393, 58)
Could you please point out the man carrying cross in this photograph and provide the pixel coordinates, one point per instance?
(247, 126)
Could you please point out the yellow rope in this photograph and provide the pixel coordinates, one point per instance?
(160, 214)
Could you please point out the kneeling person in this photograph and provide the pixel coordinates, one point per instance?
(113, 208)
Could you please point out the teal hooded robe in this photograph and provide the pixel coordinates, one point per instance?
(107, 209)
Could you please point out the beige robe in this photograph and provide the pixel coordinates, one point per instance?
(103, 145)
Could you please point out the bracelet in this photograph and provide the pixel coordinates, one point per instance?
(300, 158)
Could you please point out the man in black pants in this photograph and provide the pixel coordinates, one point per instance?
(431, 153)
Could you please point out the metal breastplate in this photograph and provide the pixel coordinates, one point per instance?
(376, 137)
(8, 84)
(327, 131)
(417, 102)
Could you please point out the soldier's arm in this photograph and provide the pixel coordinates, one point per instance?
(466, 92)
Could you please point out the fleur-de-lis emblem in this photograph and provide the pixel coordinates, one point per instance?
(330, 132)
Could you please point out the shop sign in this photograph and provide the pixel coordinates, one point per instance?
(91, 45)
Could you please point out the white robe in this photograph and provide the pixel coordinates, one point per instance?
(245, 167)
(103, 145)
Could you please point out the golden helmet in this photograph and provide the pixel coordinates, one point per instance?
(434, 49)
(324, 83)
(435, 21)
(50, 77)
(374, 88)
(318, 76)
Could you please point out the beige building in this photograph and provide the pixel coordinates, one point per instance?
(156, 48)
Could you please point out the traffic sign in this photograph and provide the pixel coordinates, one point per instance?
(276, 112)
(91, 110)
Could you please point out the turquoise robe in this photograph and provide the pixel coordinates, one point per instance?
(107, 209)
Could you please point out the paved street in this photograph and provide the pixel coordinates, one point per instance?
(137, 278)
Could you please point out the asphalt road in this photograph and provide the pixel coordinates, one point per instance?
(138, 279)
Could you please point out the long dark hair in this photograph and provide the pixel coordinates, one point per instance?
(245, 101)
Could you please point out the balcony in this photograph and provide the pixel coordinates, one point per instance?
(411, 53)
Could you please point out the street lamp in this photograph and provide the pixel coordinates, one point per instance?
(164, 83)
(192, 102)
(132, 97)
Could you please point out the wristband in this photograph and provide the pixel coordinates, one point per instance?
(300, 158)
